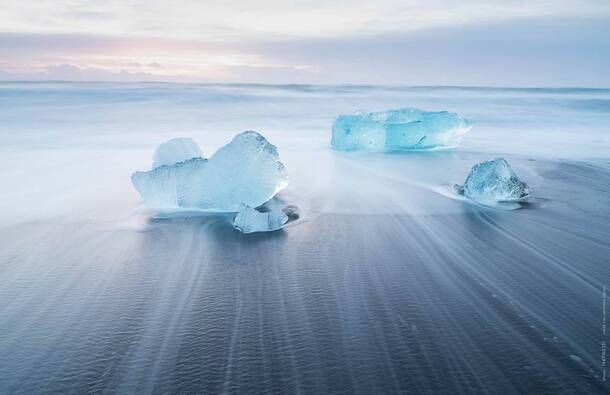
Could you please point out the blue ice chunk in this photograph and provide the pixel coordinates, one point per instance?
(403, 129)
(494, 181)
(247, 171)
(176, 151)
(172, 186)
(249, 220)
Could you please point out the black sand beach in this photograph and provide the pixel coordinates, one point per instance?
(388, 282)
(481, 301)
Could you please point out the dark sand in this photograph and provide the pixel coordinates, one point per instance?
(481, 300)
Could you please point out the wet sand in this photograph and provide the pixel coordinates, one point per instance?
(469, 300)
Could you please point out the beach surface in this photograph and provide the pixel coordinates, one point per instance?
(389, 282)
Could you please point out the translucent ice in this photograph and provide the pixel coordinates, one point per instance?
(494, 181)
(248, 220)
(398, 130)
(176, 151)
(247, 171)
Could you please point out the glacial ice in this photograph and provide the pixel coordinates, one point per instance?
(176, 151)
(247, 171)
(249, 220)
(494, 181)
(403, 129)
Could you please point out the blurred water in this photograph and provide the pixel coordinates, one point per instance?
(77, 143)
(387, 283)
(557, 123)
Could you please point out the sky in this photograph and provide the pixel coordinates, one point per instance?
(404, 42)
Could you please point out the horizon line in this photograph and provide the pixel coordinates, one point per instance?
(348, 85)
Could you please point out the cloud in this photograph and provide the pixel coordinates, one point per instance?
(163, 58)
(276, 19)
(231, 73)
(69, 72)
(534, 52)
(138, 65)
(531, 52)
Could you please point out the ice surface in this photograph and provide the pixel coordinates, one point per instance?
(248, 220)
(494, 181)
(175, 151)
(247, 171)
(398, 130)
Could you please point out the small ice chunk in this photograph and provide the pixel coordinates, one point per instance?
(292, 212)
(494, 181)
(176, 151)
(248, 220)
(405, 129)
(247, 171)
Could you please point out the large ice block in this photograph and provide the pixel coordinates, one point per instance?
(403, 129)
(248, 220)
(494, 181)
(176, 151)
(247, 171)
